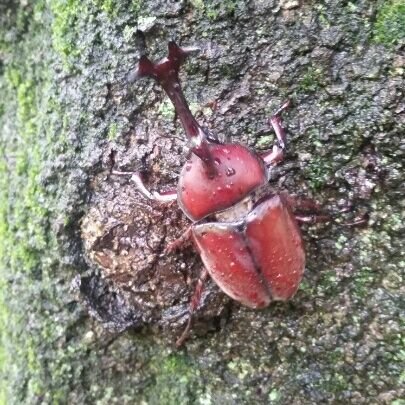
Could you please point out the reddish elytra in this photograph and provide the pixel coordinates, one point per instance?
(245, 232)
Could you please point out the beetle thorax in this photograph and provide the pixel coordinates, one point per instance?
(239, 171)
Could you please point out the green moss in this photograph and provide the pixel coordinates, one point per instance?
(322, 15)
(318, 172)
(264, 142)
(389, 27)
(13, 76)
(27, 209)
(18, 19)
(274, 396)
(166, 109)
(327, 283)
(108, 6)
(241, 368)
(215, 10)
(71, 19)
(129, 32)
(337, 383)
(312, 80)
(64, 38)
(22, 235)
(26, 246)
(198, 4)
(175, 382)
(136, 6)
(363, 281)
(112, 132)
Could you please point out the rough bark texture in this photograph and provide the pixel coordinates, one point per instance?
(66, 109)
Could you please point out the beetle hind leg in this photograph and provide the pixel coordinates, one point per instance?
(193, 306)
(314, 219)
(180, 242)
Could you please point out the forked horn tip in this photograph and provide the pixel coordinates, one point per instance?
(176, 51)
(145, 68)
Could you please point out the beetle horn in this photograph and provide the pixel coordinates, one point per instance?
(179, 54)
(166, 73)
(145, 68)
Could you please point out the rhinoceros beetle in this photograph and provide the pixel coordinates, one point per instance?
(246, 233)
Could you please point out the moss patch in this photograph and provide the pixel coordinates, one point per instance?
(318, 172)
(29, 291)
(65, 40)
(175, 382)
(312, 80)
(68, 42)
(389, 28)
(215, 10)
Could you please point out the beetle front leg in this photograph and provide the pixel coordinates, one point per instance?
(276, 155)
(165, 197)
(194, 303)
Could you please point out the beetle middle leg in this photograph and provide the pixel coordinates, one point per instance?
(194, 303)
(301, 204)
(305, 209)
(312, 219)
(308, 211)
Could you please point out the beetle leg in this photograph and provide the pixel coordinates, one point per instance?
(276, 123)
(181, 241)
(315, 213)
(276, 155)
(165, 197)
(358, 221)
(312, 219)
(194, 303)
(301, 203)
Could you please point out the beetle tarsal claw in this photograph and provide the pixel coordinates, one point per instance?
(136, 178)
(286, 104)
